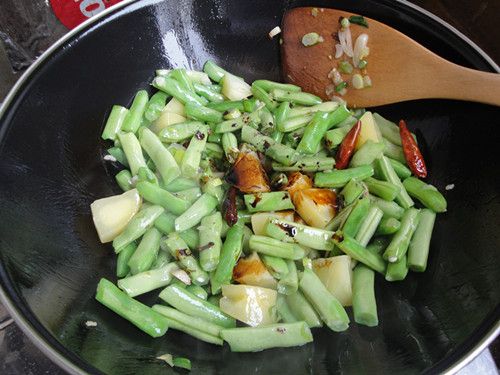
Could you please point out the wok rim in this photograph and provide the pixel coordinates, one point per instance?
(40, 336)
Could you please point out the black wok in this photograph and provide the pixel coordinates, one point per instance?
(51, 169)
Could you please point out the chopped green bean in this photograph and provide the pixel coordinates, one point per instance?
(147, 281)
(210, 241)
(427, 194)
(369, 225)
(180, 132)
(271, 85)
(193, 215)
(276, 266)
(122, 268)
(390, 209)
(418, 252)
(385, 169)
(303, 309)
(145, 254)
(383, 189)
(401, 239)
(367, 153)
(273, 247)
(356, 217)
(352, 191)
(156, 195)
(114, 123)
(133, 119)
(155, 106)
(364, 304)
(302, 98)
(132, 149)
(387, 226)
(124, 180)
(274, 201)
(339, 178)
(401, 169)
(351, 247)
(289, 284)
(397, 271)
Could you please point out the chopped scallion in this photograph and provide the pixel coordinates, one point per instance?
(358, 20)
(310, 39)
(345, 67)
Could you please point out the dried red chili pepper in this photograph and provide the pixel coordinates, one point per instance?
(229, 207)
(346, 148)
(413, 156)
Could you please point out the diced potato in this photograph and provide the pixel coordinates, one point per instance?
(234, 88)
(260, 219)
(175, 106)
(252, 305)
(251, 271)
(369, 130)
(166, 119)
(112, 214)
(316, 206)
(336, 274)
(297, 181)
(248, 175)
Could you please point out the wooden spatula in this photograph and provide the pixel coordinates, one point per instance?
(400, 68)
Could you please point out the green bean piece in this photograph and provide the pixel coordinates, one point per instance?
(133, 119)
(394, 152)
(232, 125)
(181, 183)
(231, 251)
(378, 245)
(418, 252)
(333, 138)
(271, 85)
(387, 226)
(339, 178)
(307, 164)
(230, 146)
(202, 113)
(356, 217)
(254, 339)
(273, 247)
(119, 155)
(329, 308)
(369, 225)
(115, 122)
(284, 311)
(339, 220)
(195, 323)
(145, 174)
(304, 235)
(214, 187)
(351, 247)
(281, 113)
(193, 215)
(143, 317)
(208, 93)
(189, 195)
(401, 169)
(302, 98)
(401, 239)
(277, 151)
(273, 201)
(389, 130)
(180, 132)
(122, 268)
(397, 271)
(175, 89)
(189, 304)
(385, 169)
(313, 133)
(137, 226)
(352, 191)
(165, 223)
(158, 196)
(303, 310)
(426, 194)
(383, 189)
(181, 362)
(162, 259)
(367, 153)
(181, 252)
(364, 304)
(155, 106)
(289, 284)
(390, 209)
(124, 180)
(214, 71)
(210, 241)
(191, 160)
(324, 107)
(162, 158)
(227, 106)
(277, 267)
(147, 281)
(191, 237)
(132, 149)
(213, 151)
(291, 124)
(145, 254)
(214, 300)
(198, 291)
(260, 94)
(180, 75)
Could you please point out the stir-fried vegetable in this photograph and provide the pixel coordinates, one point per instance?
(257, 203)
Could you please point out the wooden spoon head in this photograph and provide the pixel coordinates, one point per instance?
(308, 67)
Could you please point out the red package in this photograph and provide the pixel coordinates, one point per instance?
(71, 13)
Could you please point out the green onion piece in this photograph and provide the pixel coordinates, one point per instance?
(345, 67)
(310, 39)
(358, 20)
(341, 86)
(362, 64)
